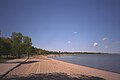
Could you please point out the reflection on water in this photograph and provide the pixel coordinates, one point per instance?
(109, 62)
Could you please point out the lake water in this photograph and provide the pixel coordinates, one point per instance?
(109, 62)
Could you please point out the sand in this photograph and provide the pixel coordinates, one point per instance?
(44, 65)
(6, 66)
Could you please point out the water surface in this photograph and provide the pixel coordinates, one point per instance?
(109, 62)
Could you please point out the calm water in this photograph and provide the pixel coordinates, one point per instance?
(109, 62)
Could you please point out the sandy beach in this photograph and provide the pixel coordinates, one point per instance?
(44, 65)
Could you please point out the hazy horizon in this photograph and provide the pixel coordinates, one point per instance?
(64, 25)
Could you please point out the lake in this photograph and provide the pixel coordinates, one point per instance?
(108, 62)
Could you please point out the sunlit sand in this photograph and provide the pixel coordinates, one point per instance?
(44, 65)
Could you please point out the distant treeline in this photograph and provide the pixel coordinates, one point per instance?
(18, 45)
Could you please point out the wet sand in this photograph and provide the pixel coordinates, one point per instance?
(43, 65)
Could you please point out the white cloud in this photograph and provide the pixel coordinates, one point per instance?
(69, 42)
(75, 32)
(95, 44)
(105, 38)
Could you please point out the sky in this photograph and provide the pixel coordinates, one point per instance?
(64, 25)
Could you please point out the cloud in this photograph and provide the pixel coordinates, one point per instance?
(95, 44)
(69, 42)
(105, 38)
(75, 32)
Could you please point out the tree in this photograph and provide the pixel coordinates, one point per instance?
(5, 46)
(27, 44)
(16, 44)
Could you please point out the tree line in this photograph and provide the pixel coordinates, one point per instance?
(18, 45)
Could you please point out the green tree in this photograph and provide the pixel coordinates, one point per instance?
(27, 45)
(16, 44)
(5, 46)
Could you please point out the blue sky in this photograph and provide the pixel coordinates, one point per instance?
(64, 25)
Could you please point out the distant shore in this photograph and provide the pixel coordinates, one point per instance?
(43, 64)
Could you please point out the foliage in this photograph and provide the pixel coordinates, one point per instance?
(16, 45)
(5, 46)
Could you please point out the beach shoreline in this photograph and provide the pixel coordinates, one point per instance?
(43, 64)
(60, 56)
